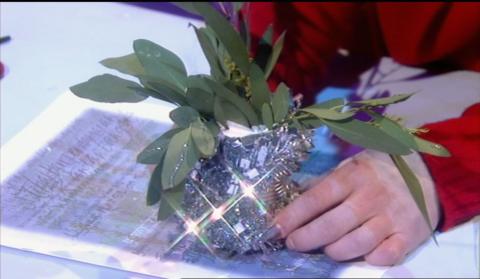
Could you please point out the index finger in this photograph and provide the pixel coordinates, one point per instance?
(325, 194)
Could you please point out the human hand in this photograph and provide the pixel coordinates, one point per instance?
(363, 208)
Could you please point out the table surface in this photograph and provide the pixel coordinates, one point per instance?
(56, 45)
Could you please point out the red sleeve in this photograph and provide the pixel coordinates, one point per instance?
(457, 178)
(314, 32)
(412, 33)
(420, 33)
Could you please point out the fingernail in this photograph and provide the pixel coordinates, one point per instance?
(272, 233)
(290, 244)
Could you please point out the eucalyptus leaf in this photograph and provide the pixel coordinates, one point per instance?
(267, 116)
(260, 91)
(183, 116)
(280, 102)
(154, 192)
(165, 92)
(147, 91)
(393, 129)
(200, 100)
(276, 51)
(232, 113)
(314, 122)
(429, 147)
(244, 30)
(109, 89)
(264, 48)
(153, 81)
(414, 187)
(328, 113)
(239, 102)
(366, 135)
(219, 112)
(297, 124)
(267, 37)
(160, 63)
(400, 133)
(164, 210)
(128, 64)
(310, 122)
(179, 160)
(226, 34)
(210, 53)
(199, 81)
(153, 153)
(203, 138)
(171, 201)
(330, 103)
(213, 127)
(384, 101)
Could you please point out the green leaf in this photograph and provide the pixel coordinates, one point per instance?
(242, 105)
(164, 210)
(330, 103)
(226, 34)
(394, 129)
(154, 192)
(264, 48)
(280, 102)
(128, 64)
(429, 147)
(219, 112)
(232, 113)
(260, 91)
(328, 113)
(199, 81)
(153, 153)
(366, 135)
(179, 160)
(267, 36)
(384, 101)
(414, 187)
(244, 31)
(277, 50)
(160, 63)
(313, 122)
(163, 91)
(203, 138)
(184, 115)
(162, 83)
(310, 122)
(210, 53)
(200, 100)
(213, 127)
(297, 124)
(171, 201)
(403, 135)
(267, 116)
(199, 95)
(109, 89)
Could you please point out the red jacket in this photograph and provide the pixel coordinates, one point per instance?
(415, 34)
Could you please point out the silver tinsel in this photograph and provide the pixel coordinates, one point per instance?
(236, 193)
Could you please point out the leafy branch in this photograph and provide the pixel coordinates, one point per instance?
(236, 90)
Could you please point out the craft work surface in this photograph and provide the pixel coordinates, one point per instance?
(72, 196)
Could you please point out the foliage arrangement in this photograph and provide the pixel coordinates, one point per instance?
(236, 91)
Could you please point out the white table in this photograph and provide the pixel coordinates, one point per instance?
(56, 45)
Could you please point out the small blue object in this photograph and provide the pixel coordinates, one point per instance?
(325, 155)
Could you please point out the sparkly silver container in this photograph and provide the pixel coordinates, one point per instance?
(232, 197)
